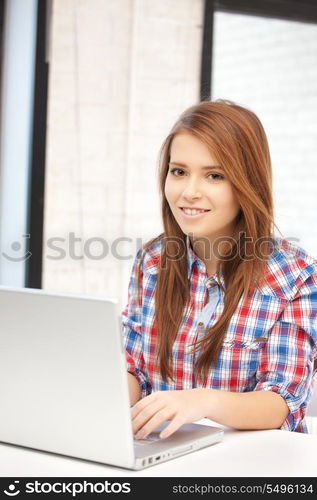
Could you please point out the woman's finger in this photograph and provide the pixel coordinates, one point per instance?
(143, 403)
(161, 416)
(172, 427)
(145, 415)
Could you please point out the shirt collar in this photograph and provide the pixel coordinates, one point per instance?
(192, 259)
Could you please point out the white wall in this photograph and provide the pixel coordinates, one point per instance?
(121, 71)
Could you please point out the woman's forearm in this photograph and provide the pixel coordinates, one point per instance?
(247, 410)
(134, 389)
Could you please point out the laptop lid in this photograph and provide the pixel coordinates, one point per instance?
(60, 355)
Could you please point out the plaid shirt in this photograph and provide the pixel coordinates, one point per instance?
(270, 344)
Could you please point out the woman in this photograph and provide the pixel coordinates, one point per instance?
(221, 320)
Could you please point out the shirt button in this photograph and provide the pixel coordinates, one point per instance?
(201, 324)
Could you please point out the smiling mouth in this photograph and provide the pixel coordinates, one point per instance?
(191, 212)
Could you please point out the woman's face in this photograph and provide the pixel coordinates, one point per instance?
(195, 181)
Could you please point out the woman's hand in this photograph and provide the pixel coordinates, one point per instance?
(180, 407)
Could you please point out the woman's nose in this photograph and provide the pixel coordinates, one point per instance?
(192, 190)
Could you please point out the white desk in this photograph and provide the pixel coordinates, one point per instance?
(272, 453)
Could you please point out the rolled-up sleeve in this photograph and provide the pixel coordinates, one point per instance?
(287, 363)
(131, 328)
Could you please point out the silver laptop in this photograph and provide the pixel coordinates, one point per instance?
(63, 382)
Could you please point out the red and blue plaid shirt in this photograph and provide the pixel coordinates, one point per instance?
(270, 344)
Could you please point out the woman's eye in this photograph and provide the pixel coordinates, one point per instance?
(174, 170)
(178, 172)
(216, 176)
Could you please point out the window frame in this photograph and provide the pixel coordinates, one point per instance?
(304, 11)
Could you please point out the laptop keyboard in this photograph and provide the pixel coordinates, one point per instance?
(147, 440)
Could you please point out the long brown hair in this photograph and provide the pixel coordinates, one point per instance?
(236, 138)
